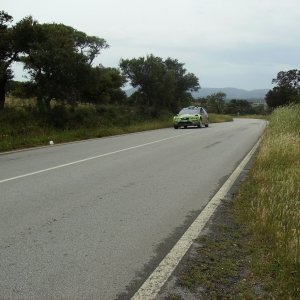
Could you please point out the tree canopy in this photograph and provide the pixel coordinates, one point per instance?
(216, 102)
(59, 62)
(161, 84)
(14, 41)
(287, 89)
(103, 86)
(239, 107)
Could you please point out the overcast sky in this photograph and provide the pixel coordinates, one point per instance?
(225, 43)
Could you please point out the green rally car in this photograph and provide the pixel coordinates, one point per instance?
(191, 116)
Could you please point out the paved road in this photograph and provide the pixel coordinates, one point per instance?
(90, 220)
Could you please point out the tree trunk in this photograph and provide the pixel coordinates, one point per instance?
(2, 94)
(47, 104)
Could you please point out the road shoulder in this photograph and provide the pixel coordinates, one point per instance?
(217, 265)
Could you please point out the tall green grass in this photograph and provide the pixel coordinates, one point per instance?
(24, 125)
(218, 118)
(269, 202)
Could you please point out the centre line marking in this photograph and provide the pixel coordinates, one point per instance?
(94, 157)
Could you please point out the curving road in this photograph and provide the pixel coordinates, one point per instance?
(91, 220)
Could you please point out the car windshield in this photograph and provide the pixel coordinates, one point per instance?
(189, 111)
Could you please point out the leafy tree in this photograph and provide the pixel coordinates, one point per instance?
(260, 109)
(289, 79)
(287, 89)
(21, 89)
(202, 101)
(14, 41)
(146, 75)
(183, 83)
(161, 84)
(59, 62)
(89, 46)
(216, 102)
(104, 85)
(236, 106)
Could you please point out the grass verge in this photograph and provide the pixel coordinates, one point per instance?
(261, 117)
(269, 203)
(24, 127)
(218, 118)
(252, 248)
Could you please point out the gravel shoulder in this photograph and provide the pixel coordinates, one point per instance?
(218, 264)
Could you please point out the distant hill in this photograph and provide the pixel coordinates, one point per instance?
(233, 93)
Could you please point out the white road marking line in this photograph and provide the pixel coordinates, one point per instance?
(94, 157)
(151, 287)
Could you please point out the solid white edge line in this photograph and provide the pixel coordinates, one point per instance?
(93, 157)
(152, 286)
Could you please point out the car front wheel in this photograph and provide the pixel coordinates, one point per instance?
(200, 124)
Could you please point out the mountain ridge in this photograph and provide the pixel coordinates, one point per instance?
(231, 93)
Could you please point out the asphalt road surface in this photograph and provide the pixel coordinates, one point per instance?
(91, 220)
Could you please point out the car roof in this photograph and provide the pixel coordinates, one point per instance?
(192, 107)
